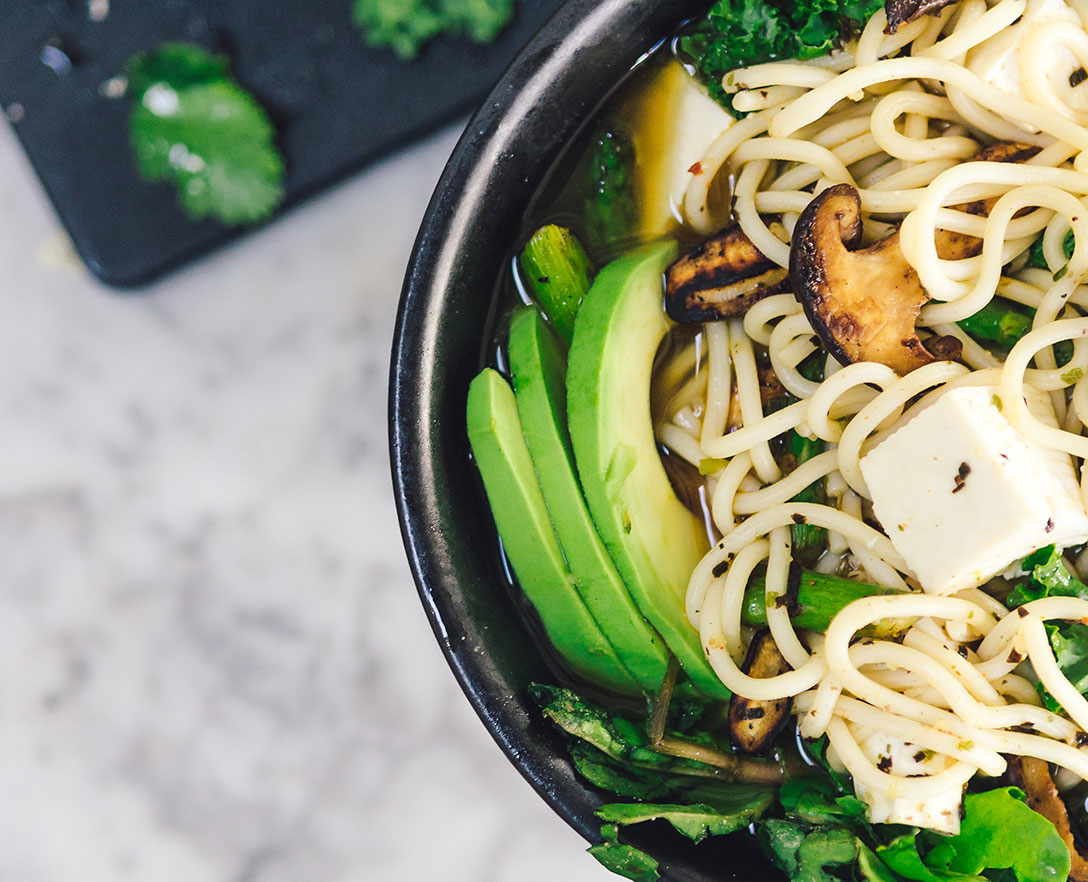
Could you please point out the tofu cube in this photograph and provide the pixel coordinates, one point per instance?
(998, 62)
(940, 812)
(962, 495)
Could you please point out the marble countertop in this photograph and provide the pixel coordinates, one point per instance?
(217, 666)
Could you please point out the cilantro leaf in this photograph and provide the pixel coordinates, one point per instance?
(624, 860)
(177, 64)
(405, 26)
(194, 125)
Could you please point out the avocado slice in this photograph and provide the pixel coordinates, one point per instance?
(653, 539)
(494, 431)
(538, 368)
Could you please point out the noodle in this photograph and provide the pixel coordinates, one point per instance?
(900, 118)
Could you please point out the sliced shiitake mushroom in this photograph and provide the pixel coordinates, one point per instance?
(753, 724)
(901, 12)
(720, 279)
(862, 303)
(1033, 777)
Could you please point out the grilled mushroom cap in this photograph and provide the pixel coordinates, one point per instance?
(720, 279)
(901, 12)
(862, 304)
(753, 725)
(1033, 776)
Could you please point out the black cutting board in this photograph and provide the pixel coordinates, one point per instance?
(336, 104)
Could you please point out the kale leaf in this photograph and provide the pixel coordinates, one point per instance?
(194, 125)
(738, 33)
(405, 26)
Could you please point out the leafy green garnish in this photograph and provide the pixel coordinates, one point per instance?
(1035, 853)
(613, 735)
(405, 26)
(804, 853)
(1036, 258)
(194, 125)
(624, 860)
(735, 808)
(1047, 577)
(737, 33)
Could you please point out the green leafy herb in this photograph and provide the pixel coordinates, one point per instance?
(999, 322)
(194, 125)
(737, 33)
(1048, 577)
(805, 853)
(735, 808)
(1069, 640)
(1035, 854)
(1038, 261)
(624, 860)
(405, 26)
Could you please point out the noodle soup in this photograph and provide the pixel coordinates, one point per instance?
(786, 439)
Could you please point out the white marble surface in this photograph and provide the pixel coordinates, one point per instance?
(215, 667)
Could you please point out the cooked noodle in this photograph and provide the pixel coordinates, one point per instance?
(899, 118)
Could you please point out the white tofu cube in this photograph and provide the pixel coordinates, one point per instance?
(961, 494)
(677, 122)
(997, 60)
(940, 812)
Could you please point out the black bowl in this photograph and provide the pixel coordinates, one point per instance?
(445, 321)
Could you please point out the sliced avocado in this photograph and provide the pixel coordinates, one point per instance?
(653, 539)
(539, 373)
(494, 431)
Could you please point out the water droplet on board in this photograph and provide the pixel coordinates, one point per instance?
(55, 58)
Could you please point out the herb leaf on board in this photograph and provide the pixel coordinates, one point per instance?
(192, 124)
(405, 26)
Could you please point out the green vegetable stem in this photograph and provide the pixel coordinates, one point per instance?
(192, 124)
(557, 271)
(817, 599)
(808, 541)
(611, 211)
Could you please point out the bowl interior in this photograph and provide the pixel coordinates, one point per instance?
(446, 321)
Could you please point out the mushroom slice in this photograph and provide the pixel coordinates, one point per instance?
(720, 279)
(901, 12)
(753, 725)
(1033, 776)
(862, 304)
(957, 246)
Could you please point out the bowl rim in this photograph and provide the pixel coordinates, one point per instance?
(507, 149)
